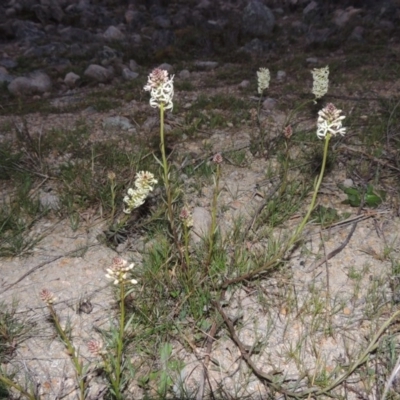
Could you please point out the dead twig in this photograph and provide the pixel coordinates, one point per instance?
(333, 253)
(372, 158)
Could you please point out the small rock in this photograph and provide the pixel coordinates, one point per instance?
(312, 6)
(281, 75)
(299, 27)
(258, 19)
(184, 74)
(27, 30)
(346, 311)
(113, 33)
(118, 122)
(133, 65)
(108, 55)
(96, 391)
(162, 21)
(98, 73)
(8, 63)
(236, 204)
(312, 60)
(73, 34)
(167, 67)
(47, 13)
(5, 76)
(71, 79)
(129, 75)
(10, 12)
(207, 65)
(150, 123)
(318, 35)
(201, 224)
(357, 34)
(244, 84)
(342, 17)
(269, 104)
(385, 25)
(37, 82)
(204, 4)
(49, 200)
(348, 183)
(256, 46)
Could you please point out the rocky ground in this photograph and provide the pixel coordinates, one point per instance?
(68, 64)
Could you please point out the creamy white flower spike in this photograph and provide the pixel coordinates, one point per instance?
(145, 180)
(330, 122)
(161, 88)
(320, 81)
(263, 78)
(144, 184)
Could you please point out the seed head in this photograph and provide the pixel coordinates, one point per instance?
(95, 347)
(218, 158)
(288, 132)
(47, 297)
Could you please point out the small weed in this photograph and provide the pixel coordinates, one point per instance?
(370, 197)
(325, 216)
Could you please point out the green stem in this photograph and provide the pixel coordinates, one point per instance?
(213, 218)
(285, 170)
(9, 383)
(278, 257)
(294, 111)
(186, 238)
(120, 343)
(168, 187)
(314, 198)
(112, 200)
(71, 351)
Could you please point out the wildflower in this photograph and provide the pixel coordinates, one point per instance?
(119, 271)
(263, 77)
(47, 297)
(161, 88)
(288, 132)
(136, 197)
(145, 181)
(186, 217)
(95, 347)
(330, 122)
(218, 158)
(320, 81)
(111, 176)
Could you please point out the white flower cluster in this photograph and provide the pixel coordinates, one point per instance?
(144, 184)
(263, 78)
(320, 81)
(119, 271)
(330, 122)
(161, 89)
